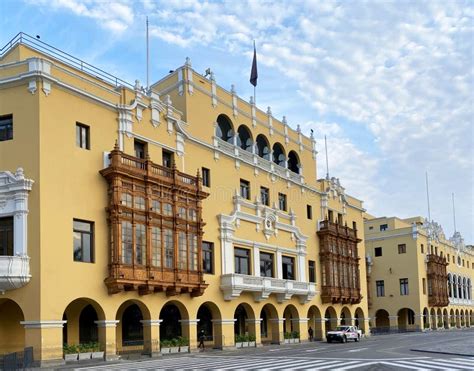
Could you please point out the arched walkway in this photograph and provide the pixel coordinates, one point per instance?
(439, 316)
(291, 316)
(81, 327)
(244, 138)
(244, 317)
(452, 318)
(279, 157)
(382, 321)
(458, 318)
(426, 318)
(433, 319)
(208, 315)
(12, 333)
(315, 321)
(463, 323)
(406, 320)
(269, 326)
(346, 319)
(129, 331)
(331, 319)
(172, 315)
(445, 318)
(293, 162)
(359, 320)
(263, 147)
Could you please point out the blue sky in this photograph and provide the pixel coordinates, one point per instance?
(389, 82)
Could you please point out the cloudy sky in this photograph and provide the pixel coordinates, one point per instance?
(389, 82)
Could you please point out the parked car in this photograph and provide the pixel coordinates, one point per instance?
(344, 333)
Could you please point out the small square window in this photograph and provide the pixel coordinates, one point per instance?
(378, 251)
(206, 177)
(282, 201)
(309, 212)
(371, 228)
(265, 196)
(6, 127)
(383, 227)
(402, 248)
(245, 189)
(82, 136)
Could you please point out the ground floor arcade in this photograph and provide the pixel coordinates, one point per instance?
(407, 319)
(141, 324)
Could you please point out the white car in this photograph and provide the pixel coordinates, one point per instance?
(344, 333)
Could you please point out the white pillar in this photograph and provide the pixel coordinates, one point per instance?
(256, 261)
(279, 267)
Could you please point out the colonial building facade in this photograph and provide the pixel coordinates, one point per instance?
(130, 216)
(417, 278)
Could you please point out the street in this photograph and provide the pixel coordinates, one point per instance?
(387, 352)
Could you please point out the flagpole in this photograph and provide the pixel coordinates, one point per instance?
(255, 86)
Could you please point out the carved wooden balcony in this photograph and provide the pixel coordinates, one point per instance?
(339, 263)
(437, 280)
(154, 216)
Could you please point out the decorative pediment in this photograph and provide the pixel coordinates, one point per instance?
(434, 230)
(335, 190)
(458, 242)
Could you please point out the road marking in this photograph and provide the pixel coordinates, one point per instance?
(463, 361)
(314, 350)
(352, 364)
(443, 364)
(405, 364)
(357, 350)
(309, 364)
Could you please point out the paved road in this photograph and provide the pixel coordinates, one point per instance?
(386, 352)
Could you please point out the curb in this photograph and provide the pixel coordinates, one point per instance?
(438, 352)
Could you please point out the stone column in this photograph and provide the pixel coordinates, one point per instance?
(151, 336)
(418, 321)
(107, 338)
(189, 330)
(320, 329)
(277, 329)
(225, 327)
(393, 322)
(301, 327)
(254, 329)
(46, 338)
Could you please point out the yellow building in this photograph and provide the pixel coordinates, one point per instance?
(417, 278)
(130, 217)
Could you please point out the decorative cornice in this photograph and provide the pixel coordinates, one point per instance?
(43, 324)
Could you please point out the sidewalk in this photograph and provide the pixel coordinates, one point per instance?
(459, 347)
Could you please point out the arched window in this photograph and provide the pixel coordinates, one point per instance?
(279, 157)
(224, 129)
(293, 162)
(450, 291)
(455, 286)
(459, 288)
(244, 138)
(263, 148)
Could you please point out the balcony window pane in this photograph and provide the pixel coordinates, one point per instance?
(242, 261)
(127, 247)
(183, 250)
(169, 248)
(156, 246)
(6, 236)
(288, 268)
(266, 264)
(140, 244)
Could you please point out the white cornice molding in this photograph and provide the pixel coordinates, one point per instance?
(43, 324)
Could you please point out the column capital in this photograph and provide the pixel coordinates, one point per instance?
(107, 323)
(300, 320)
(279, 320)
(43, 324)
(392, 317)
(224, 321)
(256, 320)
(151, 322)
(189, 321)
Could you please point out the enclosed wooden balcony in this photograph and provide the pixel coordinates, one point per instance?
(437, 280)
(339, 263)
(154, 216)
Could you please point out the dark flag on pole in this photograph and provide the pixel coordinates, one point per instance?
(254, 74)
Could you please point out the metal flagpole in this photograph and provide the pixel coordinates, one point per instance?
(327, 161)
(428, 197)
(454, 214)
(147, 57)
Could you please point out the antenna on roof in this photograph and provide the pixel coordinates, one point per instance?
(147, 57)
(428, 197)
(327, 161)
(454, 214)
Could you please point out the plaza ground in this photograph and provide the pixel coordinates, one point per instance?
(394, 351)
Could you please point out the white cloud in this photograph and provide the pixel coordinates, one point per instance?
(401, 72)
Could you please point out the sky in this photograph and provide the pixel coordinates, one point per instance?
(390, 83)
